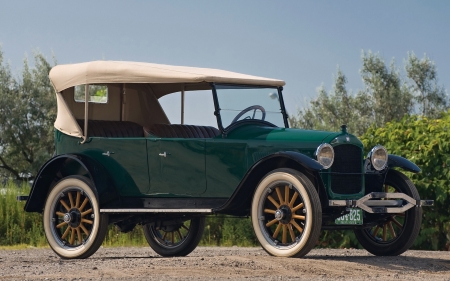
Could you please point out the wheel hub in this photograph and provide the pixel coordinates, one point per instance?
(73, 218)
(283, 214)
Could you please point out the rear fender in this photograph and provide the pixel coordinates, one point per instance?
(65, 165)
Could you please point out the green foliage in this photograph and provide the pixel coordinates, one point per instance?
(229, 231)
(17, 226)
(426, 142)
(27, 115)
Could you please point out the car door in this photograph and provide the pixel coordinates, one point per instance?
(176, 166)
(125, 159)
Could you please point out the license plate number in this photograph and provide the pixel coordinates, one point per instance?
(354, 217)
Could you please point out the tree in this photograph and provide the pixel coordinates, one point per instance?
(331, 110)
(389, 95)
(386, 96)
(423, 74)
(26, 118)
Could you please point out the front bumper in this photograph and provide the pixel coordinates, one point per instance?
(401, 203)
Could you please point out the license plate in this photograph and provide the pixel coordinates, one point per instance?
(354, 217)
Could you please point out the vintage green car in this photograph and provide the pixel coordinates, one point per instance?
(119, 160)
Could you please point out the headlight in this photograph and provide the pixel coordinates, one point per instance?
(325, 155)
(378, 157)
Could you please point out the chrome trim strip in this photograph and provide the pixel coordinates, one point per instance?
(155, 210)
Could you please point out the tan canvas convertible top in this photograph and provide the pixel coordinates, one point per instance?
(69, 75)
(133, 90)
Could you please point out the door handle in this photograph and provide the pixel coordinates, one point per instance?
(164, 154)
(108, 153)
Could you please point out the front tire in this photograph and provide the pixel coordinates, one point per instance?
(175, 239)
(73, 225)
(396, 233)
(286, 213)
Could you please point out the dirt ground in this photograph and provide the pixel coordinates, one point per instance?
(233, 263)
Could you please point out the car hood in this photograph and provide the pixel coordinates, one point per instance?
(282, 134)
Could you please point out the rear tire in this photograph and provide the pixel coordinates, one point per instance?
(176, 239)
(73, 225)
(286, 213)
(396, 233)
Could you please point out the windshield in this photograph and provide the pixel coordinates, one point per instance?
(247, 103)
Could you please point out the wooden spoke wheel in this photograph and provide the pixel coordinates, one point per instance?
(72, 222)
(395, 233)
(286, 213)
(175, 238)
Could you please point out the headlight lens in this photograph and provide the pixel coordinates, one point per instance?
(378, 157)
(325, 155)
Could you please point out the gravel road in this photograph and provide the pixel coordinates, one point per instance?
(234, 263)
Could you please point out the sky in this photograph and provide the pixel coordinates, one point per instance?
(300, 42)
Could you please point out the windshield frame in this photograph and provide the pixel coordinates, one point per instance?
(217, 108)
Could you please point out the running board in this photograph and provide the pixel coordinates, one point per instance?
(117, 211)
(382, 206)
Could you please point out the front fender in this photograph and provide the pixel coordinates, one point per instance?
(240, 201)
(65, 165)
(306, 161)
(405, 164)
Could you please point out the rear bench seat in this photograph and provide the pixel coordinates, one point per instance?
(127, 129)
(180, 131)
(112, 129)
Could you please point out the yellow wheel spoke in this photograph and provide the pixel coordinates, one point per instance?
(173, 237)
(84, 229)
(269, 211)
(61, 224)
(280, 198)
(79, 236)
(298, 207)
(298, 217)
(72, 236)
(66, 233)
(71, 200)
(391, 230)
(384, 233)
(183, 226)
(299, 228)
(164, 237)
(273, 201)
(271, 222)
(386, 188)
(291, 204)
(86, 221)
(396, 222)
(64, 204)
(375, 231)
(86, 212)
(286, 194)
(291, 232)
(277, 230)
(77, 202)
(179, 235)
(284, 238)
(60, 214)
(83, 204)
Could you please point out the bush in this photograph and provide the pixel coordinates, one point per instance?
(426, 142)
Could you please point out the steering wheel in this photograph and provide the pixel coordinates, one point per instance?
(250, 108)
